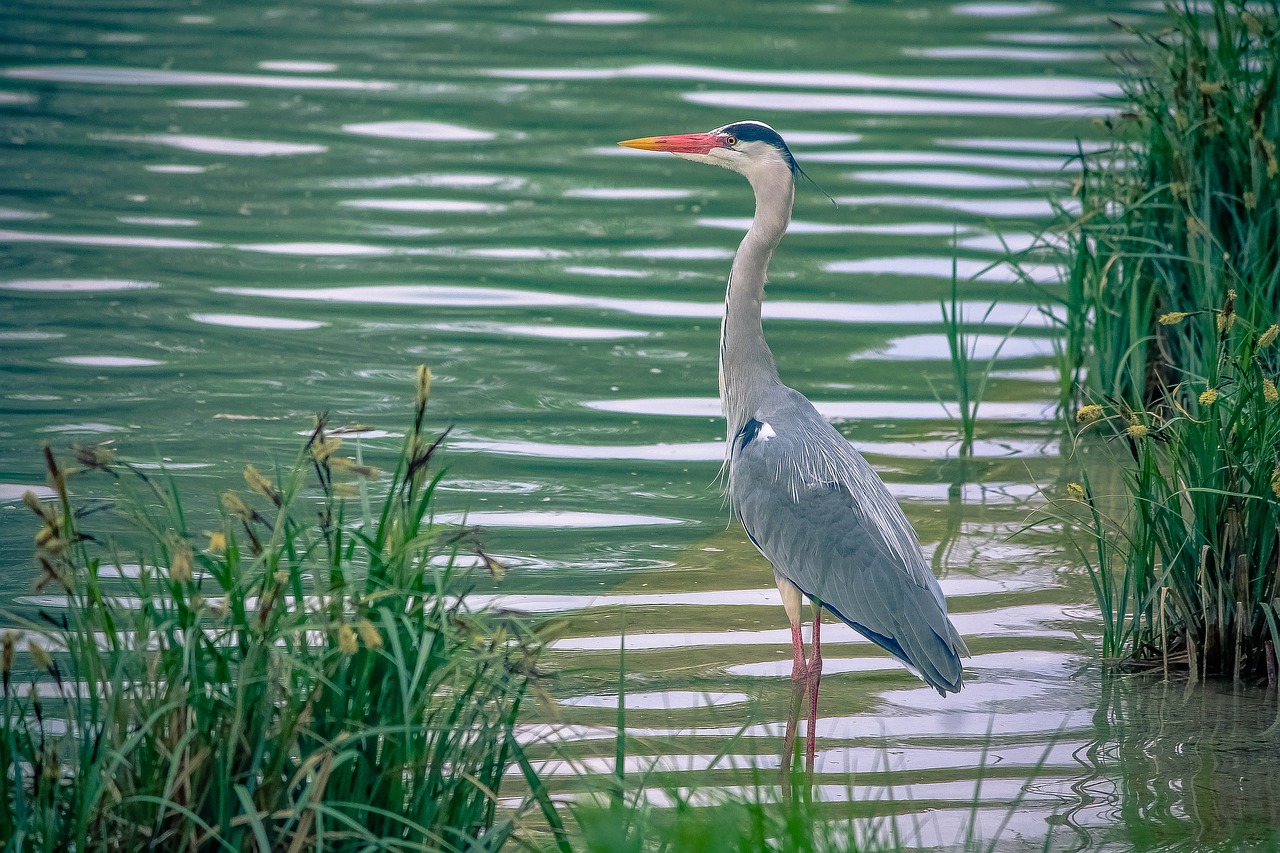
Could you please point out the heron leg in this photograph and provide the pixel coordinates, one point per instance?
(800, 683)
(814, 679)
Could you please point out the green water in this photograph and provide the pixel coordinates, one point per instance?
(220, 218)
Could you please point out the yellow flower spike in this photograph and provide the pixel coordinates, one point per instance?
(1250, 200)
(180, 563)
(369, 634)
(1269, 392)
(1088, 414)
(348, 643)
(1209, 397)
(1209, 89)
(424, 386)
(1225, 321)
(1173, 318)
(281, 577)
(217, 543)
(1075, 491)
(39, 655)
(1268, 337)
(1137, 431)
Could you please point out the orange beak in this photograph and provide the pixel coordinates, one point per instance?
(689, 143)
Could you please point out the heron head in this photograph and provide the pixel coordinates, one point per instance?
(750, 148)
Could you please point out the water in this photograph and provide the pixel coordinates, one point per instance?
(220, 220)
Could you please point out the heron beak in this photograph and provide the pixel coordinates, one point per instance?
(688, 143)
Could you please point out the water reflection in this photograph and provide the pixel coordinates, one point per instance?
(1183, 766)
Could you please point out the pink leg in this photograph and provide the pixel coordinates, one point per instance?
(800, 678)
(814, 679)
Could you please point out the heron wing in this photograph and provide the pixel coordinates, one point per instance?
(823, 518)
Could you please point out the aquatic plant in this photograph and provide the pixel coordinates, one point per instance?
(1171, 300)
(288, 681)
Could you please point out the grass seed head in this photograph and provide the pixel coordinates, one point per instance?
(325, 447)
(236, 506)
(1173, 318)
(1250, 200)
(424, 386)
(217, 544)
(1275, 481)
(33, 502)
(1209, 396)
(1268, 337)
(7, 646)
(39, 656)
(348, 642)
(369, 634)
(180, 562)
(1088, 414)
(1075, 491)
(260, 484)
(1269, 392)
(1137, 431)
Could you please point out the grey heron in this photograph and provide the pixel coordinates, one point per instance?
(807, 499)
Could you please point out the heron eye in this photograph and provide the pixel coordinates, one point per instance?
(731, 141)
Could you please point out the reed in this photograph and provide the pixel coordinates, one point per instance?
(1171, 296)
(290, 681)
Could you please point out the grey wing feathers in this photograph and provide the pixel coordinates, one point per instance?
(824, 519)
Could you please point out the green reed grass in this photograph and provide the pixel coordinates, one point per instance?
(1171, 296)
(291, 681)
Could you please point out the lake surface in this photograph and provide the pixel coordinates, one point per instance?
(221, 218)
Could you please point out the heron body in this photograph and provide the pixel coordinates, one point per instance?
(807, 499)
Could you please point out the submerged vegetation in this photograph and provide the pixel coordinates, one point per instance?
(1171, 304)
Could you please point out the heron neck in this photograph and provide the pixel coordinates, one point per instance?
(747, 368)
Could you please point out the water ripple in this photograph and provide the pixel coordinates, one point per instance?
(709, 407)
(75, 285)
(156, 77)
(421, 131)
(221, 145)
(1037, 87)
(912, 313)
(891, 105)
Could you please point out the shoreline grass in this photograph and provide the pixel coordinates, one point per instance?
(297, 682)
(1172, 298)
